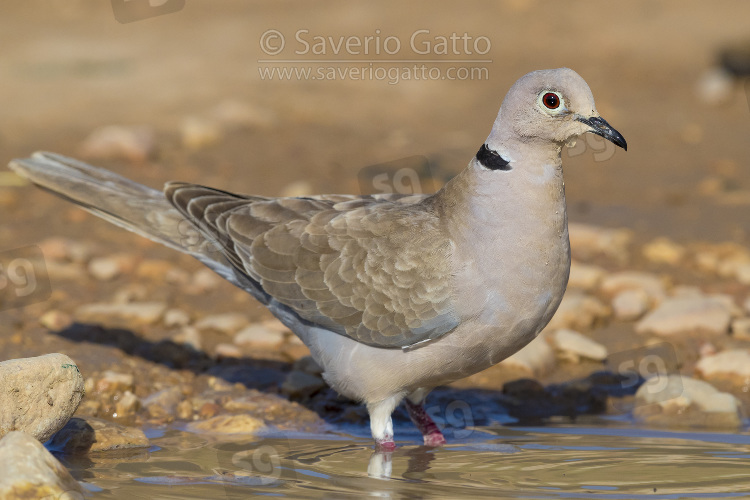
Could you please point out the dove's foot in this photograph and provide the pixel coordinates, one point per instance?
(385, 445)
(429, 429)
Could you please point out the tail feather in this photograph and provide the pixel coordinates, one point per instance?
(130, 205)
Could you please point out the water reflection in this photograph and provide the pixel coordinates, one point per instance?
(608, 462)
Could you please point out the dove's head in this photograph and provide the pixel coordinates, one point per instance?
(551, 106)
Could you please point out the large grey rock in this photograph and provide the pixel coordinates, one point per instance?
(27, 470)
(38, 395)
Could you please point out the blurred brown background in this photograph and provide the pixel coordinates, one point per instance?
(192, 79)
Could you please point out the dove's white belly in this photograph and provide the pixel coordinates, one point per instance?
(508, 284)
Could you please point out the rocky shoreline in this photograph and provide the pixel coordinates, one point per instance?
(659, 332)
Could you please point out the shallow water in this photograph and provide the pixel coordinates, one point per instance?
(598, 459)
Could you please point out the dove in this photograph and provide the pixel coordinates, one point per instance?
(393, 294)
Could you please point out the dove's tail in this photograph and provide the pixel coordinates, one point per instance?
(121, 201)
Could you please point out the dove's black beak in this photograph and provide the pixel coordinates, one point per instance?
(599, 126)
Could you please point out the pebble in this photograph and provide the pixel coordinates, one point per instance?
(133, 143)
(164, 402)
(202, 281)
(132, 292)
(664, 251)
(679, 401)
(84, 435)
(127, 404)
(708, 315)
(578, 311)
(198, 132)
(732, 364)
(630, 304)
(184, 410)
(191, 337)
(176, 317)
(585, 276)
(651, 284)
(741, 328)
(110, 267)
(232, 114)
(38, 395)
(30, 471)
(141, 313)
(224, 350)
(588, 241)
(228, 424)
(228, 323)
(715, 86)
(111, 382)
(55, 320)
(153, 269)
(574, 346)
(536, 359)
(65, 250)
(260, 336)
(299, 384)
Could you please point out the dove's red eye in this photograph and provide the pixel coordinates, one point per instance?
(551, 100)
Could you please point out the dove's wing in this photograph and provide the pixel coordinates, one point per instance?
(373, 268)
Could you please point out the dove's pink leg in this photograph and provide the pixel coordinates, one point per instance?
(429, 429)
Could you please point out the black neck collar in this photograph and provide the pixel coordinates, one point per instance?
(491, 159)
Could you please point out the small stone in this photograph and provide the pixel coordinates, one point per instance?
(651, 284)
(197, 133)
(84, 435)
(55, 320)
(709, 315)
(202, 281)
(585, 276)
(228, 323)
(228, 424)
(236, 114)
(297, 189)
(163, 403)
(578, 311)
(176, 317)
(153, 269)
(715, 86)
(127, 404)
(112, 382)
(65, 250)
(30, 471)
(536, 359)
(587, 241)
(224, 350)
(38, 395)
(133, 143)
(260, 336)
(630, 304)
(299, 384)
(184, 410)
(679, 401)
(576, 345)
(189, 336)
(732, 364)
(110, 267)
(208, 410)
(741, 328)
(132, 292)
(141, 313)
(664, 251)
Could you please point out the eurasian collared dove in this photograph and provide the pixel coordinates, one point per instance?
(393, 294)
